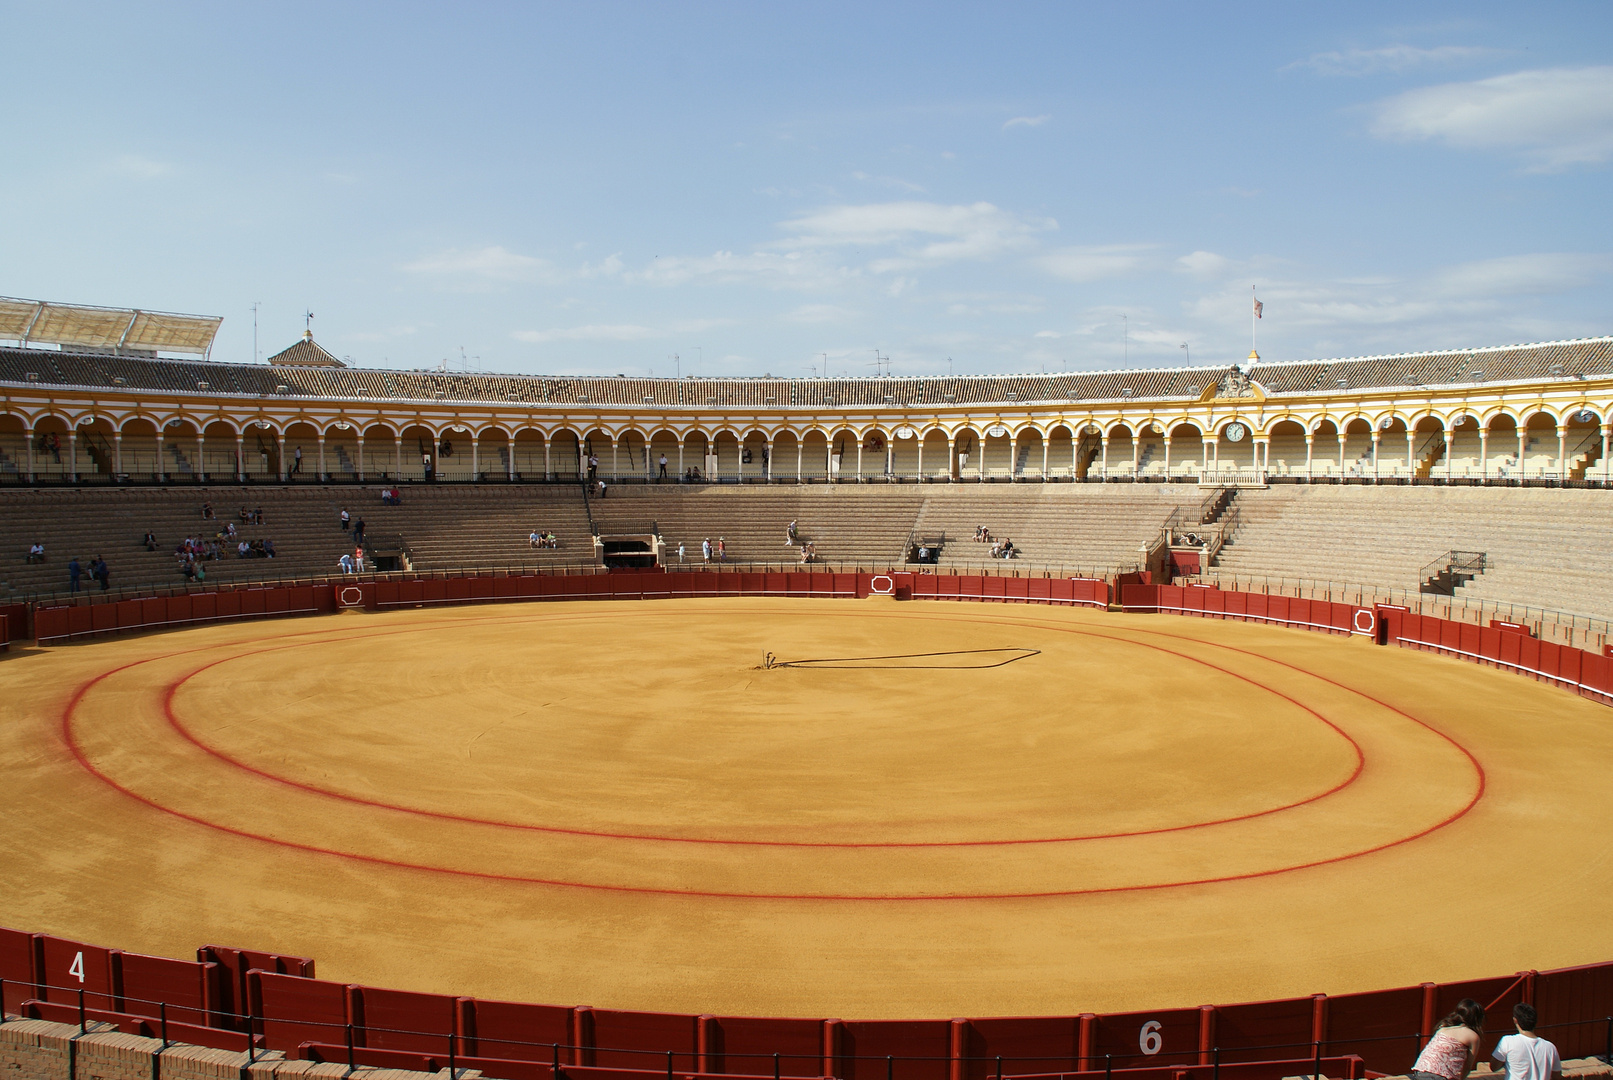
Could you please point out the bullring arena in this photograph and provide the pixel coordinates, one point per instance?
(1229, 771)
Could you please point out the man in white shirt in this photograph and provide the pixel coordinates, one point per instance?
(1526, 1056)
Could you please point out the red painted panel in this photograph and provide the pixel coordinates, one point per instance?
(1299, 612)
(1255, 605)
(387, 593)
(16, 968)
(1060, 589)
(653, 1034)
(1015, 588)
(1497, 995)
(411, 592)
(876, 1039)
(753, 584)
(517, 1031)
(1508, 646)
(1594, 672)
(1034, 1044)
(1450, 634)
(1139, 597)
(276, 600)
(1490, 644)
(302, 597)
(729, 584)
(1578, 997)
(1549, 653)
(1284, 1024)
(1570, 663)
(1037, 588)
(436, 590)
(747, 1044)
(1121, 1035)
(79, 621)
(403, 1020)
(1237, 603)
(456, 588)
(103, 617)
(1277, 609)
(994, 588)
(506, 587)
(1528, 652)
(154, 611)
(1380, 1026)
(1173, 596)
(293, 1010)
(1215, 601)
(1343, 616)
(179, 610)
(253, 601)
(71, 966)
(481, 588)
(925, 585)
(189, 989)
(971, 585)
(776, 584)
(1470, 638)
(227, 604)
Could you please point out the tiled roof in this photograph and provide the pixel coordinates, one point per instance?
(1551, 360)
(306, 353)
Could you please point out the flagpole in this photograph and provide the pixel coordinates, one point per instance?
(1253, 346)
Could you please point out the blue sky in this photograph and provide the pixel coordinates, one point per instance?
(784, 189)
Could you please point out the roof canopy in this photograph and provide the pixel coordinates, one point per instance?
(34, 322)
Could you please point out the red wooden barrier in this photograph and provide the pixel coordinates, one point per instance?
(192, 991)
(928, 1041)
(65, 967)
(746, 1044)
(18, 967)
(515, 1031)
(290, 1010)
(403, 1020)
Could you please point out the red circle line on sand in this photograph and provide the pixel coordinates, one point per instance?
(83, 761)
(178, 725)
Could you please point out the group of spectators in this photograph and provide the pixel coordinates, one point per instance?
(717, 552)
(1454, 1049)
(1000, 549)
(98, 571)
(540, 539)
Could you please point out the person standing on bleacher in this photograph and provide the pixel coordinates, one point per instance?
(74, 570)
(1526, 1056)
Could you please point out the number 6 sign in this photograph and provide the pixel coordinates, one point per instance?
(1148, 1039)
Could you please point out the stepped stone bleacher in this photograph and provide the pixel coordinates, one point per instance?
(1546, 548)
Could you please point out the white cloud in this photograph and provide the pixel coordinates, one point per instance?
(818, 313)
(1390, 58)
(1083, 264)
(141, 168)
(1202, 263)
(890, 181)
(788, 270)
(1026, 121)
(1048, 334)
(488, 264)
(617, 331)
(1555, 118)
(923, 232)
(1519, 275)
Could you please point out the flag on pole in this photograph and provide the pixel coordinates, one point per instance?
(1259, 307)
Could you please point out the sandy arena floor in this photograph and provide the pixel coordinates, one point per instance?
(616, 804)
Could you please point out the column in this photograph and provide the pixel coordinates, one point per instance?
(1103, 470)
(201, 456)
(681, 441)
(1606, 430)
(859, 458)
(1376, 437)
(475, 457)
(240, 457)
(1215, 452)
(1562, 454)
(361, 457)
(397, 446)
(1342, 437)
(615, 470)
(921, 437)
(1262, 455)
(1167, 459)
(1310, 447)
(282, 457)
(1523, 440)
(740, 460)
(767, 460)
(1484, 454)
(1447, 456)
(322, 473)
(509, 458)
(548, 473)
(1136, 454)
(162, 473)
(117, 453)
(28, 438)
(890, 456)
(72, 454)
(1205, 441)
(952, 458)
(1044, 457)
(800, 450)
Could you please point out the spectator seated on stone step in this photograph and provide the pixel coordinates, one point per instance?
(36, 553)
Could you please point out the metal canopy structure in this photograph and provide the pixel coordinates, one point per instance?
(120, 330)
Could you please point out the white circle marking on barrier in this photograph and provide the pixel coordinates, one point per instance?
(1372, 621)
(356, 594)
(890, 584)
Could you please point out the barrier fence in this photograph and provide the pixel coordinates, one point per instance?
(253, 1002)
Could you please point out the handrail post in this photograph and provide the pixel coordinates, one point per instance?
(350, 1064)
(82, 1026)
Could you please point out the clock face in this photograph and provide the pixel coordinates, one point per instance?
(1235, 432)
